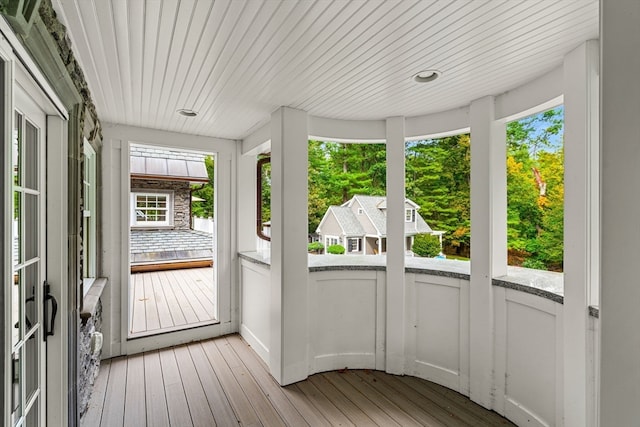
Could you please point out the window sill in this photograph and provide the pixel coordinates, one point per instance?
(90, 301)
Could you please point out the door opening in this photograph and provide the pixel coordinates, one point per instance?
(172, 231)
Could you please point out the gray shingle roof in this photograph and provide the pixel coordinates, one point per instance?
(375, 208)
(347, 220)
(165, 163)
(375, 214)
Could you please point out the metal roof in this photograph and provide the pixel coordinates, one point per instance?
(160, 163)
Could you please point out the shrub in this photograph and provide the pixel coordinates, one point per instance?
(315, 247)
(534, 263)
(335, 249)
(426, 245)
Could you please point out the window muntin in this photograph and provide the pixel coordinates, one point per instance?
(151, 209)
(330, 240)
(89, 214)
(409, 215)
(354, 244)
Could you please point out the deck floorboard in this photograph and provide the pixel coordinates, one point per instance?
(164, 301)
(223, 382)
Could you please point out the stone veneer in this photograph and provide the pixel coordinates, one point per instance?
(181, 198)
(88, 363)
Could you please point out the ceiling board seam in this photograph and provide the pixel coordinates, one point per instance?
(358, 77)
(480, 54)
(284, 66)
(221, 90)
(250, 66)
(168, 62)
(191, 62)
(184, 120)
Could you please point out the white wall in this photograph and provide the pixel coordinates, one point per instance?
(347, 321)
(255, 303)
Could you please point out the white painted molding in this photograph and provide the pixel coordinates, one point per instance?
(258, 141)
(541, 94)
(582, 220)
(25, 58)
(620, 252)
(163, 138)
(395, 245)
(488, 240)
(289, 260)
(437, 125)
(325, 129)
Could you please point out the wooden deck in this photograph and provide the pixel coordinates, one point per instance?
(164, 301)
(223, 382)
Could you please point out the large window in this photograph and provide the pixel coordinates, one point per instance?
(151, 209)
(535, 191)
(353, 244)
(438, 178)
(89, 214)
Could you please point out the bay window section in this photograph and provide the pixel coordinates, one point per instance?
(535, 191)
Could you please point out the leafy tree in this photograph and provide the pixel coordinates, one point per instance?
(204, 209)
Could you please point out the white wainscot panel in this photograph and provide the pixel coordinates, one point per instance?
(254, 298)
(342, 320)
(440, 308)
(532, 358)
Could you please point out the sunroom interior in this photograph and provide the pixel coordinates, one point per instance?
(301, 338)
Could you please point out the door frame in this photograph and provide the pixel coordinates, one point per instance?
(19, 67)
(117, 139)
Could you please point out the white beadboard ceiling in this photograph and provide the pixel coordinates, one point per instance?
(235, 61)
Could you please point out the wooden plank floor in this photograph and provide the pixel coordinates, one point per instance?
(164, 301)
(223, 382)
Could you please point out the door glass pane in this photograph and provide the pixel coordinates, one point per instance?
(31, 157)
(31, 216)
(15, 227)
(16, 327)
(32, 416)
(31, 361)
(17, 150)
(16, 396)
(31, 286)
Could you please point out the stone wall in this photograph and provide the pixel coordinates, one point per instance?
(181, 198)
(88, 363)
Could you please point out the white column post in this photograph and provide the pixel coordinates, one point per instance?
(246, 201)
(289, 264)
(620, 209)
(395, 246)
(488, 240)
(581, 224)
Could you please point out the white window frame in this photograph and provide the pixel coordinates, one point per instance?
(89, 214)
(152, 224)
(358, 244)
(410, 214)
(328, 241)
(360, 211)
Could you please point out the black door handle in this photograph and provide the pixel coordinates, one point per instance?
(49, 327)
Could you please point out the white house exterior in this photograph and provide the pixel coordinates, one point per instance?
(360, 225)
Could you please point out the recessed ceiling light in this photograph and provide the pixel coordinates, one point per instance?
(187, 112)
(426, 76)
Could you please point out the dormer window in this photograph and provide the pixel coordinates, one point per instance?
(409, 215)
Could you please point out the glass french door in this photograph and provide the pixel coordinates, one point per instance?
(28, 330)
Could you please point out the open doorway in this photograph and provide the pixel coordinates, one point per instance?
(172, 232)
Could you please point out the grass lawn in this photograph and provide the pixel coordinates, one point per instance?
(460, 258)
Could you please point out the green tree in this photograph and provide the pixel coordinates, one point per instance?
(205, 208)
